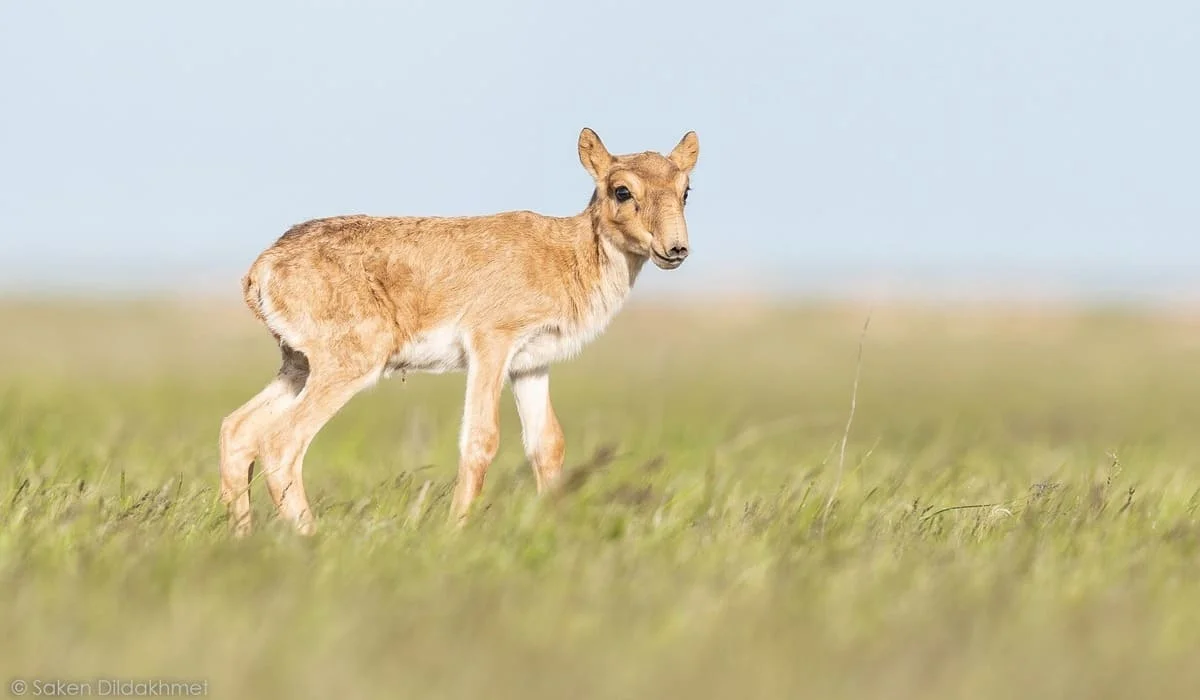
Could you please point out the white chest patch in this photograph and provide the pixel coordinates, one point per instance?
(565, 340)
(548, 346)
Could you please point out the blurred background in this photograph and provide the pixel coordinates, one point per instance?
(866, 149)
(990, 493)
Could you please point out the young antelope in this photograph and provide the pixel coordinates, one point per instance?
(351, 299)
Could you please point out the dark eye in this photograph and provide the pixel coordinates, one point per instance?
(622, 194)
(685, 194)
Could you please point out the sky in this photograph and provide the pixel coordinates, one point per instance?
(935, 144)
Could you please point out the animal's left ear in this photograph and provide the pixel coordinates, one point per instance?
(686, 152)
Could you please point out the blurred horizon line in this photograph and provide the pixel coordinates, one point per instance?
(1144, 285)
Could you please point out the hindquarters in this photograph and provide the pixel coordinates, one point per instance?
(329, 308)
(336, 335)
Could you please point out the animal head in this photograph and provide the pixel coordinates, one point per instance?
(640, 197)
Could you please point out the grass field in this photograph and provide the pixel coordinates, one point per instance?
(710, 542)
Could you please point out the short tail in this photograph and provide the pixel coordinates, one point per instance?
(252, 294)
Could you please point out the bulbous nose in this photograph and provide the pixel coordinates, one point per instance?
(677, 252)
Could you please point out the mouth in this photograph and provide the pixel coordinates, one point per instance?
(663, 262)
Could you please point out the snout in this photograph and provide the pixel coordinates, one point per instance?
(669, 240)
(672, 258)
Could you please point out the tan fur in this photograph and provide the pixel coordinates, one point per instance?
(353, 298)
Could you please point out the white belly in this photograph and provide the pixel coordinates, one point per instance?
(435, 351)
(442, 349)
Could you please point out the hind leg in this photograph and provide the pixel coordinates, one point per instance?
(285, 442)
(241, 430)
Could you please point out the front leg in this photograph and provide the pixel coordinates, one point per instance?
(487, 362)
(540, 430)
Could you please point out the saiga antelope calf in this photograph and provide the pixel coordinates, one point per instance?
(351, 299)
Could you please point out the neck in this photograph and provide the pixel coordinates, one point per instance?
(606, 272)
(615, 263)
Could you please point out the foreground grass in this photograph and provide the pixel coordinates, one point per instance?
(710, 542)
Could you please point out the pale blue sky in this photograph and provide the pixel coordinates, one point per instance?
(149, 142)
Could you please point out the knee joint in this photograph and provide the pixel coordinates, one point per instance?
(481, 446)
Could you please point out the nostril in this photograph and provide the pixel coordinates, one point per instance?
(679, 251)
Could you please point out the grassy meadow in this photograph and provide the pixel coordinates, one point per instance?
(1014, 514)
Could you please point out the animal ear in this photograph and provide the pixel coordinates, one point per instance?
(686, 152)
(594, 156)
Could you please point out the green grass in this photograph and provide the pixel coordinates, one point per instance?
(693, 555)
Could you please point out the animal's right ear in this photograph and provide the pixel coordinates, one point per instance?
(594, 156)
